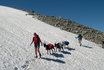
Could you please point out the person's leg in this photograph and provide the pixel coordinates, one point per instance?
(38, 47)
(36, 52)
(80, 42)
(39, 52)
(35, 45)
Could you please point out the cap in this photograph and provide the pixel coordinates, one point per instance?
(34, 33)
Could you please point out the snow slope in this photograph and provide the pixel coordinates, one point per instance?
(16, 32)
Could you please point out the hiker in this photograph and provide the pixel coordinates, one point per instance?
(79, 37)
(37, 41)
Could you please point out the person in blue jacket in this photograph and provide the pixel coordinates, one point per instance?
(79, 37)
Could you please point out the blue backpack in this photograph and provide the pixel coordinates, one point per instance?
(66, 42)
(80, 37)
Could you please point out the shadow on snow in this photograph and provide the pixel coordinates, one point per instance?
(57, 55)
(55, 60)
(66, 52)
(86, 46)
(69, 48)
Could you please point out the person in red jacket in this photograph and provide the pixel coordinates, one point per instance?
(37, 41)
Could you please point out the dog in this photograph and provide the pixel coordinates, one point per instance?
(49, 47)
(59, 46)
(65, 43)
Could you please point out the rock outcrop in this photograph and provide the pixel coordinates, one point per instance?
(71, 26)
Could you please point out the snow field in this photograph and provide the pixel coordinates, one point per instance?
(16, 32)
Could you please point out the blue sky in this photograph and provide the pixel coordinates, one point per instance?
(87, 12)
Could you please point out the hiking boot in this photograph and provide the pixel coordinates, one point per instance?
(36, 56)
(40, 55)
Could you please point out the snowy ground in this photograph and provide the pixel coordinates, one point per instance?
(16, 32)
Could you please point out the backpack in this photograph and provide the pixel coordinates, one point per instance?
(80, 37)
(51, 46)
(36, 39)
(66, 42)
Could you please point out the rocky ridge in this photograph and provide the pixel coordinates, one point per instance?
(70, 26)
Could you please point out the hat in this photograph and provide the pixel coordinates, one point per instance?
(34, 33)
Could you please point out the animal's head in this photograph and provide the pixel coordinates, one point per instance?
(63, 42)
(44, 44)
(55, 44)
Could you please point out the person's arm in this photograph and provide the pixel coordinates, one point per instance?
(76, 37)
(31, 42)
(40, 41)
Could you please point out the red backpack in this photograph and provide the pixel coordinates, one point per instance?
(36, 39)
(51, 46)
